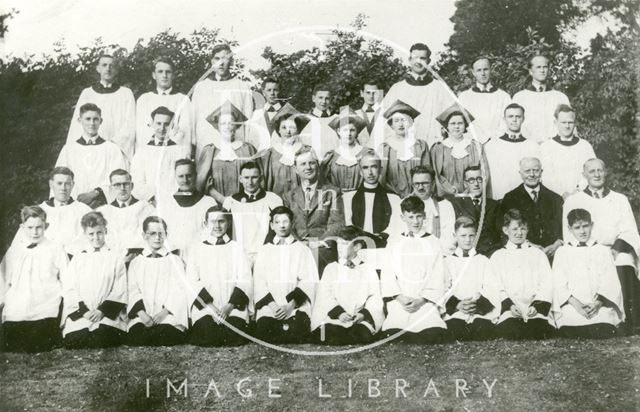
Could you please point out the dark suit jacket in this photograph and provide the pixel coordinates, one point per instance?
(490, 239)
(544, 216)
(323, 219)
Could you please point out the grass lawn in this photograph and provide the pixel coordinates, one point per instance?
(548, 375)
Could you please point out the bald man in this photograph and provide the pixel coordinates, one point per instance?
(614, 225)
(541, 207)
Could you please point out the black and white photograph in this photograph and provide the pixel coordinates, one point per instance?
(320, 205)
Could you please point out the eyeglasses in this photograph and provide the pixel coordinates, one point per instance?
(473, 180)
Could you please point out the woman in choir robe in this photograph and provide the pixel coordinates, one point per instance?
(456, 152)
(223, 289)
(32, 275)
(277, 162)
(340, 166)
(413, 280)
(157, 304)
(587, 292)
(220, 163)
(348, 306)
(473, 303)
(285, 278)
(526, 283)
(403, 150)
(95, 295)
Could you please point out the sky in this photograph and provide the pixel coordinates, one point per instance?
(286, 25)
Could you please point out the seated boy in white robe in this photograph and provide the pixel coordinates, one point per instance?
(348, 305)
(220, 272)
(157, 305)
(285, 278)
(587, 290)
(473, 303)
(526, 283)
(91, 158)
(31, 281)
(413, 280)
(95, 291)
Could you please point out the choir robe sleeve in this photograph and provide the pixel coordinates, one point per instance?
(243, 280)
(437, 161)
(628, 232)
(326, 304)
(433, 288)
(308, 276)
(561, 269)
(176, 302)
(608, 282)
(261, 293)
(374, 305)
(117, 297)
(544, 290)
(199, 296)
(135, 301)
(70, 297)
(490, 287)
(389, 287)
(124, 136)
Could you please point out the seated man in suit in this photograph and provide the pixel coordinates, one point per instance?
(541, 207)
(318, 211)
(470, 204)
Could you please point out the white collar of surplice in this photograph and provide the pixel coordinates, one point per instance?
(347, 156)
(404, 147)
(227, 150)
(458, 148)
(286, 149)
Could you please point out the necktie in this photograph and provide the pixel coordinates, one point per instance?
(324, 114)
(307, 197)
(251, 198)
(465, 253)
(31, 246)
(519, 246)
(540, 89)
(271, 109)
(96, 249)
(596, 195)
(582, 244)
(123, 205)
(220, 241)
(410, 234)
(534, 196)
(476, 201)
(369, 109)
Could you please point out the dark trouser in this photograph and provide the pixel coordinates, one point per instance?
(293, 330)
(516, 328)
(31, 336)
(630, 296)
(103, 337)
(158, 335)
(429, 335)
(479, 329)
(206, 332)
(339, 335)
(596, 331)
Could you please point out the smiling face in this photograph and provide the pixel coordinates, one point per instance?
(465, 236)
(34, 228)
(482, 71)
(281, 225)
(581, 230)
(418, 61)
(307, 167)
(400, 123)
(90, 121)
(271, 92)
(413, 221)
(530, 172)
(155, 236)
(107, 69)
(321, 99)
(185, 177)
(370, 170)
(516, 231)
(217, 224)
(288, 128)
(595, 173)
(348, 134)
(61, 186)
(514, 118)
(456, 126)
(539, 69)
(96, 235)
(566, 123)
(163, 75)
(221, 62)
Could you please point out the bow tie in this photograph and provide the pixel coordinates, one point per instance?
(271, 109)
(324, 114)
(465, 253)
(582, 244)
(155, 255)
(369, 109)
(350, 264)
(32, 245)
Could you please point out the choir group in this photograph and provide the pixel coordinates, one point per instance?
(419, 215)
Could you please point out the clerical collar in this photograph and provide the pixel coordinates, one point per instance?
(464, 253)
(53, 202)
(483, 88)
(162, 252)
(367, 188)
(90, 142)
(574, 140)
(602, 192)
(103, 89)
(166, 92)
(244, 197)
(422, 80)
(510, 245)
(320, 113)
(166, 142)
(119, 204)
(286, 240)
(513, 137)
(209, 239)
(588, 243)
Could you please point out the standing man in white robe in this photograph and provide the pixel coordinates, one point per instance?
(213, 92)
(118, 106)
(413, 281)
(222, 291)
(91, 158)
(539, 101)
(614, 226)
(95, 292)
(420, 90)
(125, 216)
(318, 134)
(563, 156)
(505, 152)
(153, 164)
(158, 291)
(32, 275)
(587, 292)
(371, 95)
(251, 208)
(183, 210)
(285, 279)
(260, 125)
(486, 102)
(164, 94)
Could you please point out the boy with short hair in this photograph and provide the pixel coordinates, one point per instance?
(318, 134)
(157, 305)
(31, 281)
(587, 294)
(525, 278)
(473, 305)
(413, 280)
(285, 279)
(348, 306)
(223, 289)
(95, 296)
